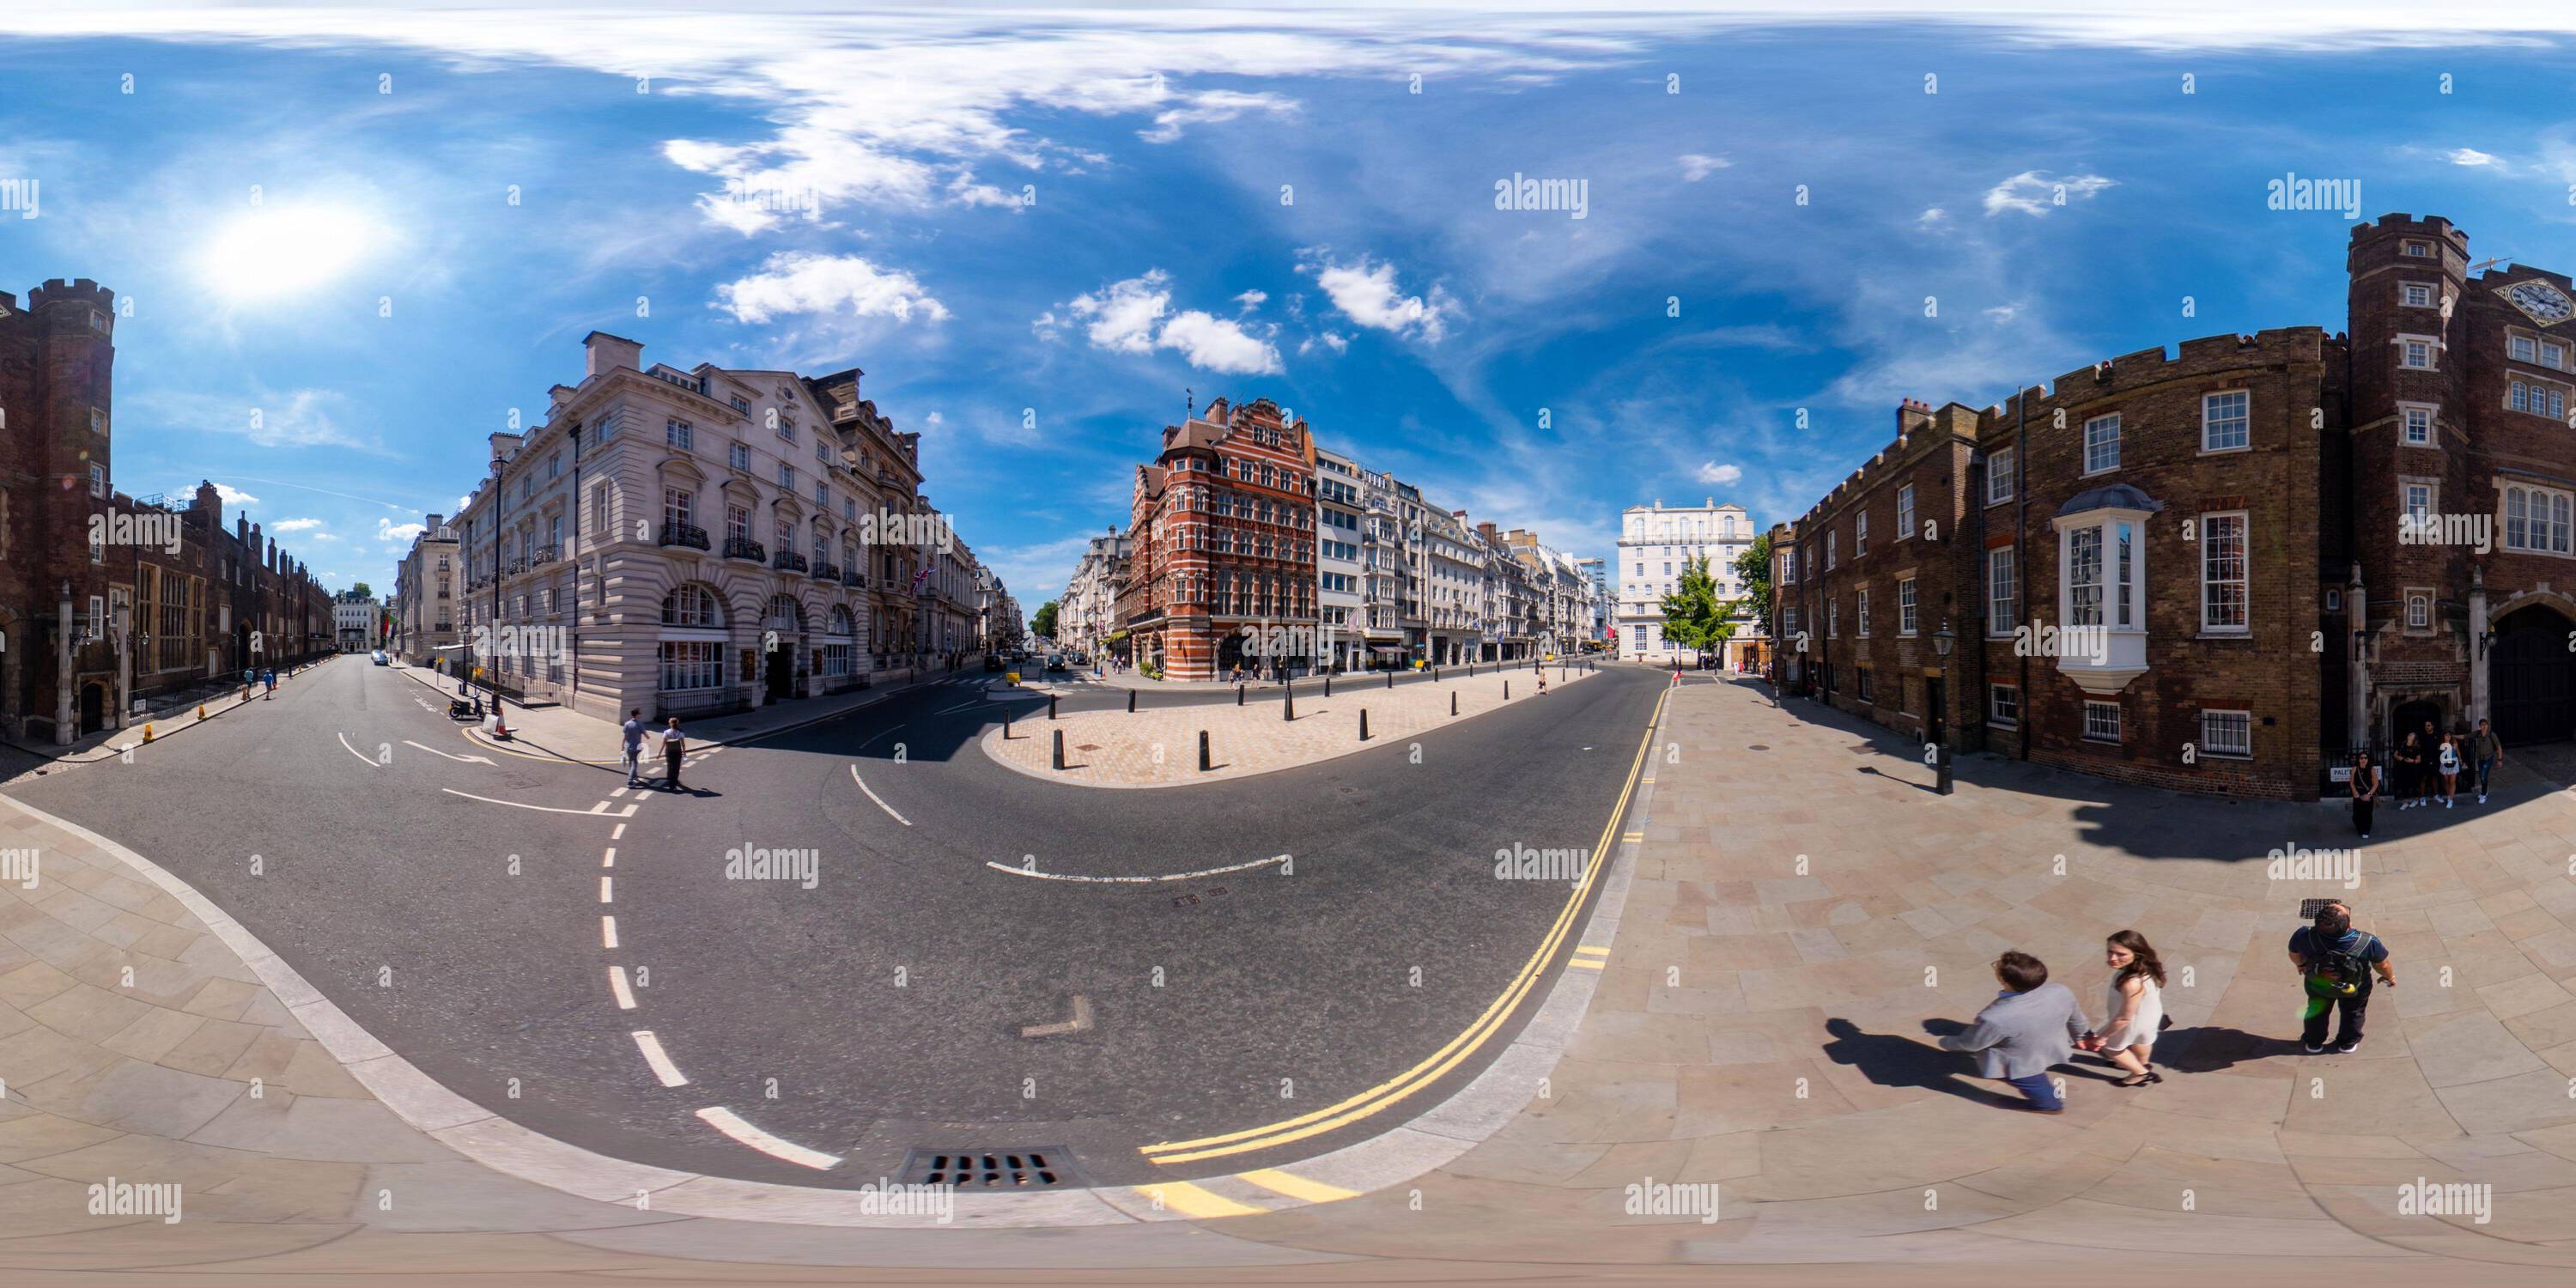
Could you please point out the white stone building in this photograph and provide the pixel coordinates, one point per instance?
(1655, 543)
(1341, 573)
(693, 542)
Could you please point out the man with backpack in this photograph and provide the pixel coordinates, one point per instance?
(2336, 962)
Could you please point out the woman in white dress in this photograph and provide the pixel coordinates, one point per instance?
(2136, 1005)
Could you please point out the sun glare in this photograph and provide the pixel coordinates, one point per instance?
(281, 250)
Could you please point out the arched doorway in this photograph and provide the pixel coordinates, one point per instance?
(2531, 676)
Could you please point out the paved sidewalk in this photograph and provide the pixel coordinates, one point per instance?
(1758, 1024)
(563, 732)
(1158, 746)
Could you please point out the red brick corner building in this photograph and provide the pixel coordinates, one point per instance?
(1222, 529)
(2222, 570)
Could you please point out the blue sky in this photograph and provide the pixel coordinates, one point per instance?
(1228, 202)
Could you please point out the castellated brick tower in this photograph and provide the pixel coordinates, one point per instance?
(2411, 433)
(74, 358)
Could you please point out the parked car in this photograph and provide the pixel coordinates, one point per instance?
(381, 659)
(992, 662)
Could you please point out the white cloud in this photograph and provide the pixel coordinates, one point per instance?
(1932, 215)
(233, 497)
(2033, 193)
(797, 282)
(1332, 340)
(292, 525)
(1211, 106)
(1712, 472)
(1251, 300)
(1696, 167)
(392, 533)
(2003, 312)
(2469, 156)
(322, 536)
(1135, 316)
(1366, 293)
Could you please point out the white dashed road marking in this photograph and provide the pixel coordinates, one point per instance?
(477, 760)
(607, 932)
(731, 1124)
(872, 795)
(617, 985)
(603, 890)
(660, 1060)
(628, 812)
(344, 741)
(1177, 876)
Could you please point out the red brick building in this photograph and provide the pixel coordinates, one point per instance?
(2224, 568)
(104, 598)
(1222, 529)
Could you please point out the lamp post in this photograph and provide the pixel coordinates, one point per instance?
(500, 497)
(1942, 642)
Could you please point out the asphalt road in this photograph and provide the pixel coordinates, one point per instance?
(883, 1008)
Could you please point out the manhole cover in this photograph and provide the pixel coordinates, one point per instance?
(1039, 1168)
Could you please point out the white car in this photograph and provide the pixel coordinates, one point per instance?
(381, 659)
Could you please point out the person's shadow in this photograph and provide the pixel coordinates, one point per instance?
(1891, 1060)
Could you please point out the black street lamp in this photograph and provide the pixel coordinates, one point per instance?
(1943, 641)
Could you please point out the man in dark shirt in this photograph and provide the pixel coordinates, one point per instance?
(2337, 962)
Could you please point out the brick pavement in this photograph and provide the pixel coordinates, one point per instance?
(1757, 1025)
(1158, 747)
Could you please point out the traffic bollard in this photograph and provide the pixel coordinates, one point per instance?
(1203, 751)
(1453, 702)
(1507, 690)
(1051, 711)
(1328, 684)
(1131, 702)
(1059, 748)
(1238, 694)
(1363, 724)
(1390, 679)
(1288, 701)
(1006, 727)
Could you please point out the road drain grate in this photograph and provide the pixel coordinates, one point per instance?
(1040, 1168)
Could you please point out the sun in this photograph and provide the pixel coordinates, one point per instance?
(284, 250)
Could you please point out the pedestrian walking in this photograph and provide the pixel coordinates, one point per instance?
(634, 735)
(2449, 761)
(2030, 1027)
(2486, 751)
(269, 678)
(2409, 759)
(2136, 1004)
(2365, 792)
(2336, 963)
(2424, 781)
(1542, 684)
(673, 745)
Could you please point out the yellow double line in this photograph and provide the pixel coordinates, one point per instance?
(1440, 1062)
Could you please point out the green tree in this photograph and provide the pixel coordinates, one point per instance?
(1044, 623)
(360, 590)
(1694, 617)
(1753, 568)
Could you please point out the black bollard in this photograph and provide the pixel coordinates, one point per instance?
(1006, 727)
(1203, 751)
(1328, 684)
(1238, 695)
(1435, 675)
(1453, 702)
(1059, 748)
(1288, 701)
(1507, 690)
(1390, 679)
(1363, 724)
(1131, 702)
(1051, 711)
